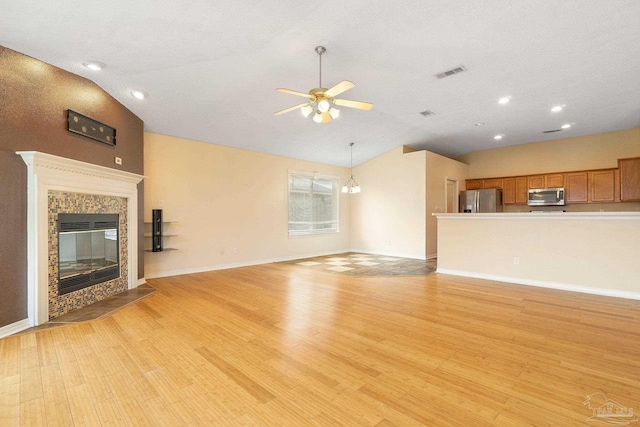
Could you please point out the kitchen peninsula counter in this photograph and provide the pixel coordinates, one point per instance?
(593, 252)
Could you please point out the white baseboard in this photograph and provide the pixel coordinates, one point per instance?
(203, 269)
(541, 284)
(14, 328)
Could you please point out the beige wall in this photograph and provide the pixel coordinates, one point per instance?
(388, 216)
(599, 151)
(597, 254)
(226, 198)
(439, 169)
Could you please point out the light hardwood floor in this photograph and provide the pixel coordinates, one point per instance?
(283, 345)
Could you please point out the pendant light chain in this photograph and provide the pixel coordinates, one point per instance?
(351, 159)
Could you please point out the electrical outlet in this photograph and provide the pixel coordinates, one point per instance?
(516, 261)
(118, 160)
(235, 250)
(221, 251)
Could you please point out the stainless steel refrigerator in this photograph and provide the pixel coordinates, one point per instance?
(479, 201)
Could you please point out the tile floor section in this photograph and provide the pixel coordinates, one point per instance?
(98, 309)
(357, 264)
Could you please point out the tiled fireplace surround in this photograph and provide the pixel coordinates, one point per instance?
(63, 202)
(57, 185)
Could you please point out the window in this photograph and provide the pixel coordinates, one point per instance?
(313, 204)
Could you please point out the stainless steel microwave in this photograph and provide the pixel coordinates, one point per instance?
(546, 197)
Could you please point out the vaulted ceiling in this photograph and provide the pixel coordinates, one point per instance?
(210, 68)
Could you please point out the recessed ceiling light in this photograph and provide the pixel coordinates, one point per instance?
(139, 94)
(480, 124)
(504, 100)
(498, 137)
(566, 126)
(94, 65)
(556, 108)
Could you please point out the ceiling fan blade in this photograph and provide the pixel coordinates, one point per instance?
(353, 104)
(343, 86)
(286, 110)
(293, 92)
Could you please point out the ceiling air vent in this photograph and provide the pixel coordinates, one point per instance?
(451, 72)
(427, 113)
(551, 131)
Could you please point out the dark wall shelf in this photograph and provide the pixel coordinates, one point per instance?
(157, 232)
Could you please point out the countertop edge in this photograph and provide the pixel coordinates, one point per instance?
(635, 215)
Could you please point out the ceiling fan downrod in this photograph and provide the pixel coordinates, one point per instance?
(320, 50)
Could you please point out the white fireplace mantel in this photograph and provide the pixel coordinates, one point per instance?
(46, 173)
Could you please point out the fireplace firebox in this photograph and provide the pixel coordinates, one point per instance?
(88, 250)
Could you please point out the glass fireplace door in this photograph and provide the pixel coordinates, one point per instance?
(86, 257)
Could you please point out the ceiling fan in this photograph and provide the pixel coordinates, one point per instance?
(320, 98)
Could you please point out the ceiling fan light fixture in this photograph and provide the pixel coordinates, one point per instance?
(306, 110)
(320, 99)
(324, 105)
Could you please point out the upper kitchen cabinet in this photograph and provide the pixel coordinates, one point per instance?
(479, 184)
(537, 181)
(602, 186)
(554, 180)
(599, 186)
(577, 188)
(492, 183)
(474, 184)
(629, 179)
(514, 190)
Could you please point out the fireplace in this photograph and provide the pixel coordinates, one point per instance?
(57, 187)
(88, 250)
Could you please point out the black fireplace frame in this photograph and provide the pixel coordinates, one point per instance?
(71, 222)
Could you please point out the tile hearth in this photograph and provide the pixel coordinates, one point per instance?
(98, 309)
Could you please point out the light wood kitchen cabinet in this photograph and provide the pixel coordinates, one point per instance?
(555, 180)
(621, 184)
(492, 183)
(602, 186)
(577, 187)
(537, 181)
(479, 184)
(474, 184)
(629, 179)
(514, 190)
(598, 186)
(522, 190)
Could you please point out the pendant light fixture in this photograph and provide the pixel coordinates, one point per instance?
(351, 186)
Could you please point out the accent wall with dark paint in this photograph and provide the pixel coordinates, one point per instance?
(34, 98)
